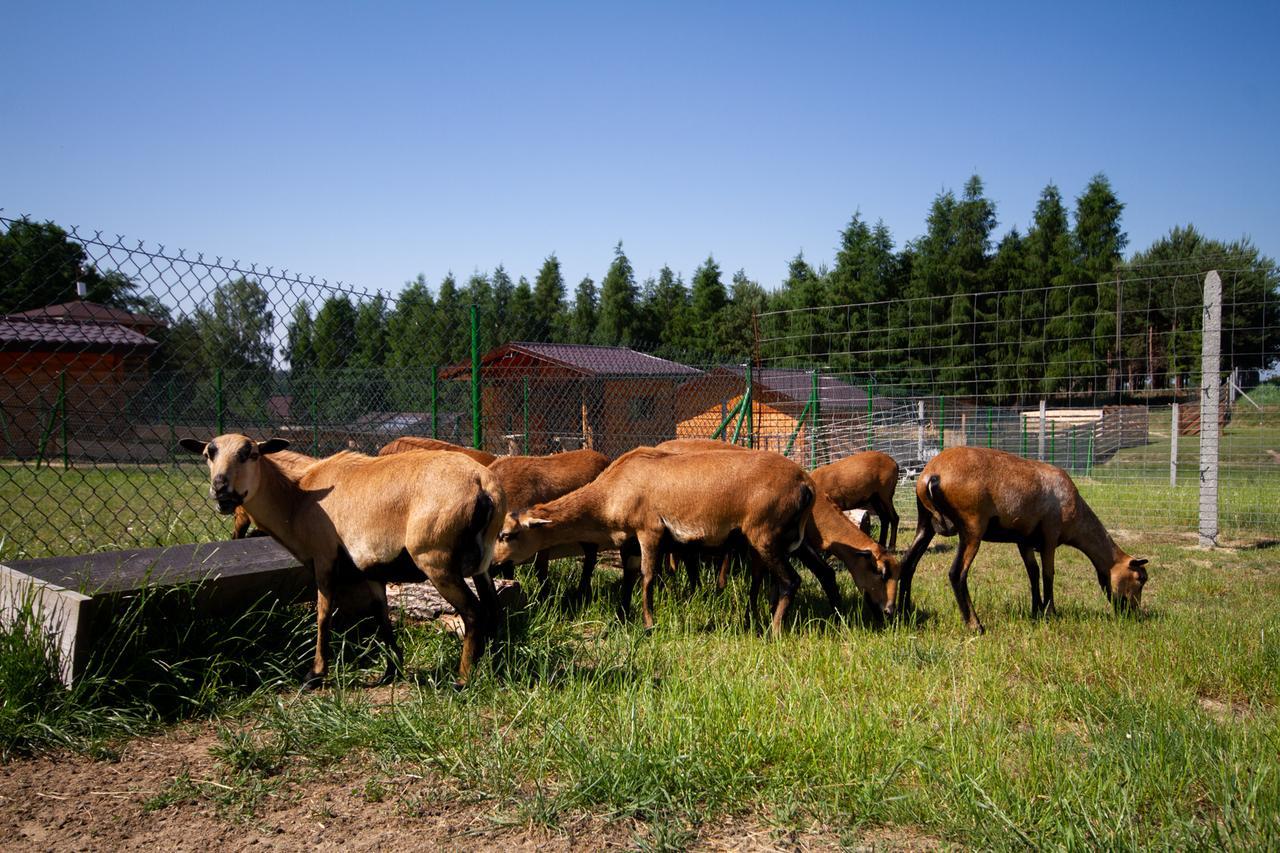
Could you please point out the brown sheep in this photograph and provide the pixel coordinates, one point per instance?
(864, 480)
(413, 442)
(529, 480)
(655, 497)
(993, 496)
(290, 459)
(420, 515)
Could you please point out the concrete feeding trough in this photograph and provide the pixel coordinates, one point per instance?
(76, 598)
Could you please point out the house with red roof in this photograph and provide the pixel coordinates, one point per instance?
(539, 398)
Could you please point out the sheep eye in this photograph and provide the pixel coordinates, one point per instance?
(212, 452)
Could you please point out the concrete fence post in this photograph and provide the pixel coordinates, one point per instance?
(920, 430)
(1042, 426)
(1210, 364)
(1173, 448)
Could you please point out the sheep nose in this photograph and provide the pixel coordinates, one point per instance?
(220, 483)
(889, 609)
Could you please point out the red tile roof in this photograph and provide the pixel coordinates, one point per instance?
(17, 334)
(87, 312)
(593, 360)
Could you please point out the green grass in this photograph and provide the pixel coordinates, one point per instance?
(1085, 730)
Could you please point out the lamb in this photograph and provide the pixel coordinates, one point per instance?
(410, 517)
(413, 442)
(529, 480)
(993, 496)
(655, 497)
(864, 480)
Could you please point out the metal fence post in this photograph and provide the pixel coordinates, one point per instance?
(1173, 448)
(1043, 416)
(751, 405)
(62, 419)
(477, 432)
(1210, 363)
(173, 438)
(942, 424)
(217, 401)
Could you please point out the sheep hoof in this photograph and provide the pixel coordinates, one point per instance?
(312, 681)
(459, 685)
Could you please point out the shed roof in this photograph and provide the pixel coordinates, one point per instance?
(88, 312)
(581, 359)
(795, 385)
(19, 334)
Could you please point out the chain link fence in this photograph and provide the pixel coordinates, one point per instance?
(112, 350)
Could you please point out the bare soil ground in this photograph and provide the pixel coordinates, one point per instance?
(163, 793)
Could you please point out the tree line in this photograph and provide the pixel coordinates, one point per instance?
(1055, 309)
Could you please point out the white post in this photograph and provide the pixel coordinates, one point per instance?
(1042, 420)
(1173, 449)
(1210, 363)
(920, 431)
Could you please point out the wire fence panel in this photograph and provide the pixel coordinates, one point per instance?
(1086, 377)
(110, 351)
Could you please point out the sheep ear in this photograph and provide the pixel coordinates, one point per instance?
(272, 445)
(1137, 564)
(194, 445)
(535, 522)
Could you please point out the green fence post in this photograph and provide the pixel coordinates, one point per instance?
(8, 439)
(217, 400)
(1023, 419)
(435, 408)
(477, 433)
(942, 424)
(1088, 471)
(526, 416)
(62, 406)
(168, 417)
(751, 405)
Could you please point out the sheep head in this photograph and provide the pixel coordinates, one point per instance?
(233, 466)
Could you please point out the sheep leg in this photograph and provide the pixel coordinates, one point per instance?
(505, 570)
(888, 521)
(387, 633)
(1046, 557)
(757, 575)
(1033, 575)
(630, 569)
(323, 570)
(826, 576)
(722, 579)
(490, 605)
(959, 576)
(924, 535)
(583, 592)
(693, 568)
(787, 583)
(456, 592)
(541, 562)
(650, 562)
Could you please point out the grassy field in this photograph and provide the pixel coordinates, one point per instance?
(1081, 731)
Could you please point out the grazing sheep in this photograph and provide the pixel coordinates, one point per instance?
(993, 496)
(864, 480)
(409, 517)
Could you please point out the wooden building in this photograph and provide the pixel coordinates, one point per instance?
(96, 366)
(554, 397)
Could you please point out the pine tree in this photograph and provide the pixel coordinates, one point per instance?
(413, 346)
(549, 317)
(586, 308)
(619, 311)
(523, 323)
(747, 299)
(707, 303)
(1098, 243)
(1047, 258)
(450, 333)
(504, 322)
(667, 314)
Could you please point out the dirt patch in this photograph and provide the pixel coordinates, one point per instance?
(168, 792)
(1224, 711)
(163, 793)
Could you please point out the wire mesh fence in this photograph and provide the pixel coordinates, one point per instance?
(1103, 379)
(112, 350)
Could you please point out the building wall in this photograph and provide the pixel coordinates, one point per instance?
(772, 428)
(98, 389)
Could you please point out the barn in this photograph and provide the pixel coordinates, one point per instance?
(69, 369)
(541, 398)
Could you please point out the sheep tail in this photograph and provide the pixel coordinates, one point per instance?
(476, 552)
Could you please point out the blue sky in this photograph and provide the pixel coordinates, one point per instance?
(370, 142)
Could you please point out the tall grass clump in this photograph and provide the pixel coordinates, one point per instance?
(153, 663)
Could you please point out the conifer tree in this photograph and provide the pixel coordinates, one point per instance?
(549, 318)
(619, 309)
(586, 308)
